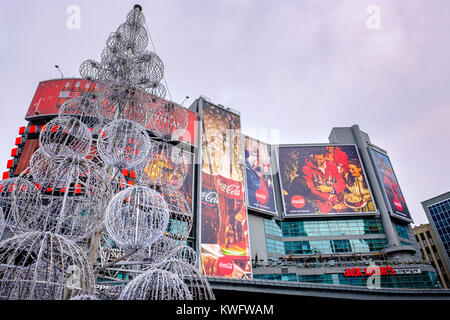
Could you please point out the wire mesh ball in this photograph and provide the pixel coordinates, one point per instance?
(197, 284)
(156, 284)
(86, 109)
(178, 230)
(89, 69)
(135, 17)
(155, 89)
(160, 250)
(165, 166)
(186, 254)
(168, 121)
(66, 198)
(65, 136)
(6, 188)
(133, 38)
(125, 102)
(148, 69)
(43, 266)
(112, 53)
(136, 217)
(123, 144)
(26, 203)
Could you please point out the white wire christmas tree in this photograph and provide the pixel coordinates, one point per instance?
(72, 207)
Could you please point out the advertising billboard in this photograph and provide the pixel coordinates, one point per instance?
(224, 240)
(259, 176)
(323, 179)
(50, 96)
(389, 183)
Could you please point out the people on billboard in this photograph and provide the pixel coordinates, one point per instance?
(323, 180)
(338, 157)
(357, 194)
(259, 182)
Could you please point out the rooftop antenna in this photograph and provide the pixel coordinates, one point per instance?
(57, 67)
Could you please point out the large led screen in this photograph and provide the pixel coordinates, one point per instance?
(389, 182)
(50, 96)
(224, 241)
(259, 176)
(323, 179)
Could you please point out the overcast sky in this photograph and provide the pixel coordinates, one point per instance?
(293, 68)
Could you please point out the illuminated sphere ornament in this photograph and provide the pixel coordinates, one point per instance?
(65, 136)
(43, 266)
(90, 69)
(196, 282)
(156, 284)
(168, 121)
(178, 230)
(165, 166)
(65, 197)
(186, 254)
(136, 217)
(133, 37)
(123, 144)
(148, 69)
(6, 189)
(26, 204)
(156, 89)
(86, 109)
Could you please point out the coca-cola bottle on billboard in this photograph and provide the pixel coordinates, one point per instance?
(63, 95)
(230, 192)
(210, 219)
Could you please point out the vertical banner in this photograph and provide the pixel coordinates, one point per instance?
(388, 181)
(224, 241)
(323, 179)
(258, 170)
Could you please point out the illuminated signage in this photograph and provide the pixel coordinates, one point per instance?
(369, 271)
(381, 271)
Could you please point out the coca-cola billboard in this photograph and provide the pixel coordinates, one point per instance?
(323, 179)
(259, 176)
(50, 95)
(389, 183)
(224, 241)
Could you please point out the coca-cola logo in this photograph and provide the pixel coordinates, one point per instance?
(209, 197)
(261, 196)
(230, 189)
(298, 201)
(225, 265)
(397, 204)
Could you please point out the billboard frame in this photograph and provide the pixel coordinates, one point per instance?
(382, 187)
(376, 212)
(201, 101)
(270, 149)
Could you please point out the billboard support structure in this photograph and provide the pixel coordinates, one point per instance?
(376, 189)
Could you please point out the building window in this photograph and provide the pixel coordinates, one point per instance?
(401, 231)
(325, 228)
(272, 228)
(334, 246)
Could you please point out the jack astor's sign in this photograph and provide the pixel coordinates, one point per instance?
(369, 271)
